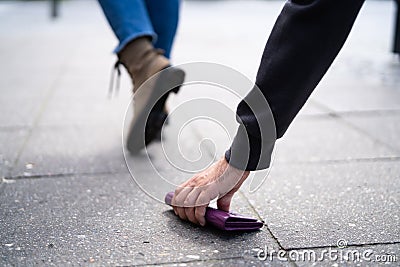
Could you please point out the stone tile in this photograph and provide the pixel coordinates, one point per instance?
(325, 138)
(72, 149)
(11, 140)
(84, 99)
(345, 94)
(22, 99)
(312, 108)
(310, 205)
(36, 56)
(109, 220)
(383, 127)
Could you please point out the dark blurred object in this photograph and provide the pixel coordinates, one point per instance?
(54, 8)
(396, 43)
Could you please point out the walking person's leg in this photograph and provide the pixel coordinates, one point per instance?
(132, 24)
(128, 19)
(164, 16)
(305, 40)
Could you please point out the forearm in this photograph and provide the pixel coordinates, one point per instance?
(305, 40)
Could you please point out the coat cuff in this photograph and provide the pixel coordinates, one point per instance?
(249, 152)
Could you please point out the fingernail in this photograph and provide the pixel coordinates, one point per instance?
(202, 222)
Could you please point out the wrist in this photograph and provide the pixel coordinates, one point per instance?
(226, 163)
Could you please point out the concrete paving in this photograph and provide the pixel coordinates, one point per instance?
(67, 196)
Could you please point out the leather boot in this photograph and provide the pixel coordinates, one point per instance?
(142, 62)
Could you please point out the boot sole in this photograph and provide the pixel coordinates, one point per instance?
(148, 123)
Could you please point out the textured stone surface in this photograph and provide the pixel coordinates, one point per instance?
(108, 219)
(309, 205)
(74, 149)
(383, 127)
(11, 140)
(328, 139)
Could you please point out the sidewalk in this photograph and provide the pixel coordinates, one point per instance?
(67, 197)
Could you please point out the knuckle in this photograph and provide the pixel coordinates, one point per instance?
(202, 200)
(186, 202)
(199, 212)
(179, 201)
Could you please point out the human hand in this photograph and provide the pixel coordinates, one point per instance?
(220, 180)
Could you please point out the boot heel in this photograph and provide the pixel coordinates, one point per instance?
(178, 77)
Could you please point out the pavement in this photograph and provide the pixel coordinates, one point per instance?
(68, 198)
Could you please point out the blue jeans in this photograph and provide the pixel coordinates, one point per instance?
(131, 19)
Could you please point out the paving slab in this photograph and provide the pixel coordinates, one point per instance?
(84, 99)
(83, 147)
(72, 149)
(38, 52)
(31, 72)
(328, 139)
(311, 205)
(106, 219)
(382, 126)
(22, 99)
(343, 94)
(11, 140)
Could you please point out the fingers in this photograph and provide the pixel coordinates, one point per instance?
(178, 201)
(190, 204)
(179, 189)
(200, 212)
(192, 197)
(224, 202)
(175, 204)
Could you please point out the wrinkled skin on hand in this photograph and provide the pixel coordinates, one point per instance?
(220, 180)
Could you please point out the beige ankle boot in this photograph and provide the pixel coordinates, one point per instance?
(142, 62)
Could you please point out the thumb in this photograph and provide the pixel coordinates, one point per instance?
(225, 202)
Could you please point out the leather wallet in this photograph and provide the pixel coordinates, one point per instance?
(226, 221)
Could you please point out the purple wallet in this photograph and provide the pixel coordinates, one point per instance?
(226, 221)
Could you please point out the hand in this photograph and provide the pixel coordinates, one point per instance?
(220, 180)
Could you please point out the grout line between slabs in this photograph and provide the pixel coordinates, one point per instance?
(342, 120)
(199, 135)
(58, 175)
(353, 113)
(182, 262)
(341, 161)
(39, 114)
(266, 226)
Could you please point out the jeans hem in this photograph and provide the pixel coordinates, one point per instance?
(123, 43)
